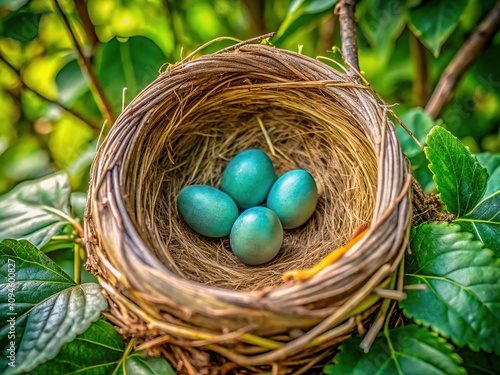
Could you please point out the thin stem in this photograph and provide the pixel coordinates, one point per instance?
(345, 11)
(88, 26)
(466, 55)
(94, 84)
(126, 352)
(389, 109)
(77, 264)
(93, 124)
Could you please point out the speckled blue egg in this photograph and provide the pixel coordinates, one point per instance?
(256, 236)
(207, 210)
(293, 197)
(248, 178)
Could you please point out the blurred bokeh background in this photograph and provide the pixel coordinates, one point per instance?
(49, 119)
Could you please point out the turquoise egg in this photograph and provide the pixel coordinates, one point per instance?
(256, 236)
(207, 210)
(293, 197)
(248, 177)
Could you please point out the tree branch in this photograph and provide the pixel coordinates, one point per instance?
(345, 10)
(470, 50)
(93, 124)
(95, 87)
(421, 82)
(88, 26)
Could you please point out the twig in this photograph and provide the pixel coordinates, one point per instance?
(421, 83)
(88, 26)
(93, 124)
(95, 87)
(383, 102)
(345, 10)
(470, 50)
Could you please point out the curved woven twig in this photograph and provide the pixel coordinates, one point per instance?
(175, 288)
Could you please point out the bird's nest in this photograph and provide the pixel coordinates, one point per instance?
(187, 296)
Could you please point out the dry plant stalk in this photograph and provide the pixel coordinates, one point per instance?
(188, 293)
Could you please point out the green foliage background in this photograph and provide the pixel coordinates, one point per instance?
(51, 123)
(136, 37)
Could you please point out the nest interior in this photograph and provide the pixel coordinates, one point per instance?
(183, 129)
(303, 130)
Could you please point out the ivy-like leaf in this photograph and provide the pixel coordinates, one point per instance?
(97, 351)
(42, 308)
(462, 299)
(403, 350)
(300, 13)
(434, 21)
(479, 363)
(140, 364)
(36, 210)
(460, 179)
(100, 351)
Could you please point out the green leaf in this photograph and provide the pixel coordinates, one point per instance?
(132, 64)
(42, 308)
(434, 21)
(403, 350)
(462, 299)
(34, 271)
(97, 351)
(139, 364)
(382, 22)
(484, 222)
(479, 363)
(100, 351)
(460, 179)
(492, 165)
(302, 13)
(36, 210)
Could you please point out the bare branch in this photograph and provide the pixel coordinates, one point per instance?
(93, 124)
(468, 53)
(88, 26)
(95, 87)
(345, 11)
(421, 78)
